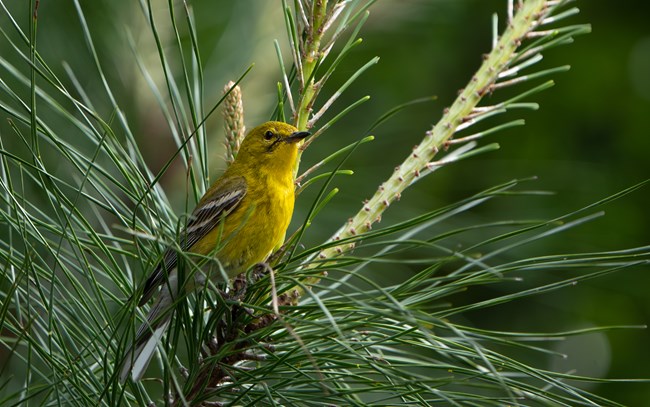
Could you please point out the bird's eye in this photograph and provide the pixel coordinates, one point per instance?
(268, 135)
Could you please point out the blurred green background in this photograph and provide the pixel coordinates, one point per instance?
(589, 139)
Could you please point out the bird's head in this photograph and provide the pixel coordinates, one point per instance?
(272, 145)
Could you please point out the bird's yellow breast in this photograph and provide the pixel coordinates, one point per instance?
(255, 227)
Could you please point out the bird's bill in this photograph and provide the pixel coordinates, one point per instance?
(297, 136)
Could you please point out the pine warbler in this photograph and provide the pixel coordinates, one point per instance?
(240, 220)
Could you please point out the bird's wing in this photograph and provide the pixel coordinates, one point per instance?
(216, 204)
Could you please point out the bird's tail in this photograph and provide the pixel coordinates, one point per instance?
(139, 355)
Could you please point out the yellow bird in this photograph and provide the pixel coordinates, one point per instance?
(240, 220)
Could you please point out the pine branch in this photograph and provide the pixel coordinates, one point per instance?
(511, 52)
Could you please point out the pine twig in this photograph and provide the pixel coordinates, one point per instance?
(531, 15)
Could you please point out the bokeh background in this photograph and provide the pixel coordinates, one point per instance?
(589, 139)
